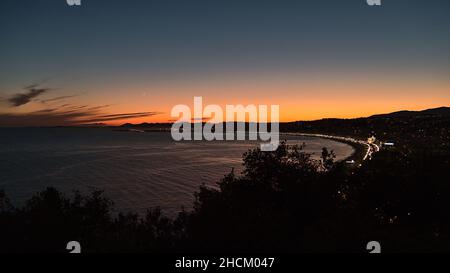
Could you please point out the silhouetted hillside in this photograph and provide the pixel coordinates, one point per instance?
(436, 112)
(428, 130)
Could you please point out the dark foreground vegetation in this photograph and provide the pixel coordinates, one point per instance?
(284, 201)
(422, 131)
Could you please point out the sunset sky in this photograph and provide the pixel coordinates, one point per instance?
(117, 61)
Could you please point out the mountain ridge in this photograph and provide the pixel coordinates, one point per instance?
(439, 111)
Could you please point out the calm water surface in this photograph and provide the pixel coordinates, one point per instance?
(136, 170)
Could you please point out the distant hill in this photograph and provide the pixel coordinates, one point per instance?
(428, 129)
(441, 111)
(438, 112)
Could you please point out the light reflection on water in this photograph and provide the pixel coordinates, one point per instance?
(136, 170)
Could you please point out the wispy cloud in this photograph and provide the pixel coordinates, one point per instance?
(58, 98)
(45, 111)
(114, 117)
(33, 91)
(60, 114)
(130, 114)
(55, 117)
(95, 108)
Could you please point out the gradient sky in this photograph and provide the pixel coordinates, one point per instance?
(116, 61)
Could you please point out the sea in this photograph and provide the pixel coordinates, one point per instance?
(136, 170)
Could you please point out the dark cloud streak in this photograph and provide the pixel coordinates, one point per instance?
(55, 117)
(58, 98)
(120, 117)
(24, 98)
(63, 115)
(130, 114)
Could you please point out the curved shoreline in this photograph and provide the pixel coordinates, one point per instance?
(362, 149)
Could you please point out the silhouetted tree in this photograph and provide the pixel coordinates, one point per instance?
(283, 201)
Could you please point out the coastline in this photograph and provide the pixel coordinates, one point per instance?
(362, 150)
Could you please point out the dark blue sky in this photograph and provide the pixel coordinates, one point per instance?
(110, 36)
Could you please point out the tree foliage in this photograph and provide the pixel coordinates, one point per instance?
(283, 201)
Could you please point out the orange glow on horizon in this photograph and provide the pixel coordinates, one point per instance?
(297, 101)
